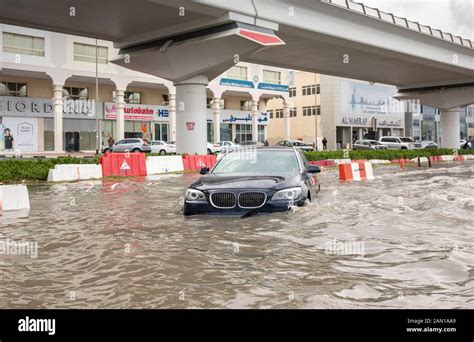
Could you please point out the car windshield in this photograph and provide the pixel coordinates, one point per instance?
(374, 142)
(259, 163)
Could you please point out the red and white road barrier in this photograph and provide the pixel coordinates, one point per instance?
(14, 197)
(355, 171)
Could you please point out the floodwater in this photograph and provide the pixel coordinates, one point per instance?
(403, 240)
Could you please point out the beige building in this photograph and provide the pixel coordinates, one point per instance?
(305, 110)
(342, 110)
(48, 96)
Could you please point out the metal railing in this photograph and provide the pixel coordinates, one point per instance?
(403, 22)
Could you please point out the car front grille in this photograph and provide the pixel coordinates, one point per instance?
(223, 200)
(252, 200)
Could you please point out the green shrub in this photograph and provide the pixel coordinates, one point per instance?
(15, 170)
(383, 154)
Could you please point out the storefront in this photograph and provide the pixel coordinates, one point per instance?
(236, 124)
(362, 111)
(141, 121)
(31, 122)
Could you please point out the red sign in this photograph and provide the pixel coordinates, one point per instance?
(261, 38)
(190, 126)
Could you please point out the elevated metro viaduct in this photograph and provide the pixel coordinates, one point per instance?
(190, 42)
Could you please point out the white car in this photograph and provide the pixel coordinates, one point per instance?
(399, 143)
(225, 146)
(211, 149)
(162, 147)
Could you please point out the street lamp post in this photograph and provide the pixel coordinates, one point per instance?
(97, 128)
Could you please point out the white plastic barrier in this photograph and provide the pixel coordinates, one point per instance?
(422, 160)
(341, 161)
(379, 161)
(14, 197)
(447, 158)
(165, 164)
(468, 156)
(73, 172)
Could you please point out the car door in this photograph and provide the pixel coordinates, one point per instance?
(310, 179)
(390, 142)
(119, 146)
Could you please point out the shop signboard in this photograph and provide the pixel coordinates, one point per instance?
(229, 82)
(230, 116)
(34, 107)
(137, 112)
(236, 83)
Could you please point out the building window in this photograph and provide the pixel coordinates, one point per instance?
(310, 110)
(13, 89)
(309, 90)
(243, 132)
(318, 89)
(261, 133)
(210, 102)
(318, 110)
(23, 45)
(270, 113)
(87, 53)
(293, 112)
(237, 73)
(273, 77)
(245, 105)
(133, 97)
(279, 114)
(74, 93)
(161, 131)
(292, 91)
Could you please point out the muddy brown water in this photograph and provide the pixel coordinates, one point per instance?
(403, 240)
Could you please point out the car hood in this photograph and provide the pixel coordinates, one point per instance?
(236, 181)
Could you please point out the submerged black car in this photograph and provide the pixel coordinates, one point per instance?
(258, 180)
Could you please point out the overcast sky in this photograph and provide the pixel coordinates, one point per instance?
(453, 16)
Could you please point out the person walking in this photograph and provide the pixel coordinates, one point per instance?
(266, 143)
(110, 141)
(325, 144)
(8, 140)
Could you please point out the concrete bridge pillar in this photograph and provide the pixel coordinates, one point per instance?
(191, 122)
(449, 121)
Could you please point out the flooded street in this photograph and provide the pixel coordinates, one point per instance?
(403, 240)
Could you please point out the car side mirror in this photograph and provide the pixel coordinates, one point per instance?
(204, 171)
(313, 169)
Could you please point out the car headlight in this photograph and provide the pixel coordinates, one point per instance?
(193, 195)
(287, 194)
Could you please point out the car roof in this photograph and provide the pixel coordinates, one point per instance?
(272, 148)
